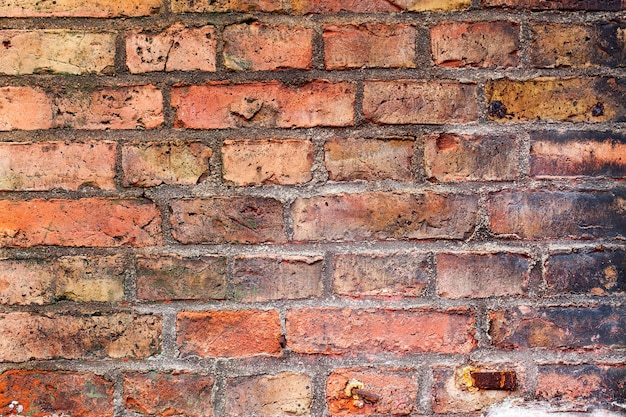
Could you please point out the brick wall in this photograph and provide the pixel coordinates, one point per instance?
(236, 207)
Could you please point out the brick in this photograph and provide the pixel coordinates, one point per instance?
(220, 6)
(559, 328)
(82, 8)
(264, 104)
(25, 108)
(380, 215)
(228, 333)
(376, 6)
(369, 159)
(259, 47)
(335, 331)
(482, 275)
(267, 161)
(117, 335)
(171, 277)
(272, 277)
(581, 384)
(84, 222)
(56, 51)
(228, 220)
(598, 272)
(168, 394)
(475, 44)
(557, 100)
(558, 214)
(369, 45)
(558, 4)
(393, 275)
(418, 101)
(454, 157)
(284, 394)
(44, 393)
(177, 48)
(575, 154)
(148, 164)
(396, 387)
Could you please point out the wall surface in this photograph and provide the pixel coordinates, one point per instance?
(244, 207)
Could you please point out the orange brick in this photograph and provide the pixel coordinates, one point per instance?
(82, 8)
(376, 6)
(581, 384)
(25, 108)
(558, 4)
(220, 6)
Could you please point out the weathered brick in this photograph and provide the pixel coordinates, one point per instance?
(264, 278)
(355, 332)
(582, 384)
(375, 6)
(454, 157)
(148, 164)
(267, 161)
(25, 108)
(562, 328)
(229, 333)
(558, 4)
(177, 48)
(45, 393)
(369, 45)
(393, 275)
(78, 8)
(396, 387)
(228, 219)
(264, 104)
(260, 47)
(475, 44)
(284, 394)
(558, 214)
(168, 394)
(220, 6)
(419, 101)
(380, 215)
(98, 335)
(481, 275)
(170, 277)
(84, 222)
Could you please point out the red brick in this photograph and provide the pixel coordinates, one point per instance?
(219, 6)
(168, 394)
(380, 215)
(25, 108)
(177, 48)
(228, 220)
(369, 45)
(28, 336)
(84, 222)
(267, 161)
(419, 101)
(83, 8)
(264, 104)
(45, 393)
(48, 165)
(558, 4)
(355, 332)
(581, 384)
(558, 214)
(375, 6)
(475, 44)
(229, 333)
(259, 47)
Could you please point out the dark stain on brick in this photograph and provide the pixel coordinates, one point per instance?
(598, 109)
(596, 5)
(611, 45)
(496, 109)
(6, 44)
(582, 382)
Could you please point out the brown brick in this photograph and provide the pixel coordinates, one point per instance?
(575, 328)
(264, 278)
(284, 394)
(45, 393)
(581, 384)
(453, 157)
(25, 108)
(379, 215)
(220, 6)
(148, 164)
(396, 387)
(558, 4)
(229, 333)
(267, 161)
(177, 48)
(264, 104)
(393, 275)
(559, 214)
(84, 222)
(481, 275)
(475, 44)
(228, 220)
(56, 51)
(356, 332)
(168, 394)
(418, 101)
(259, 47)
(28, 336)
(170, 277)
(375, 6)
(369, 45)
(82, 8)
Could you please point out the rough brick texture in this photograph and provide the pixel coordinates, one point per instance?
(582, 384)
(374, 6)
(73, 8)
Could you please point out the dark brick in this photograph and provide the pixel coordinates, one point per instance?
(582, 384)
(558, 4)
